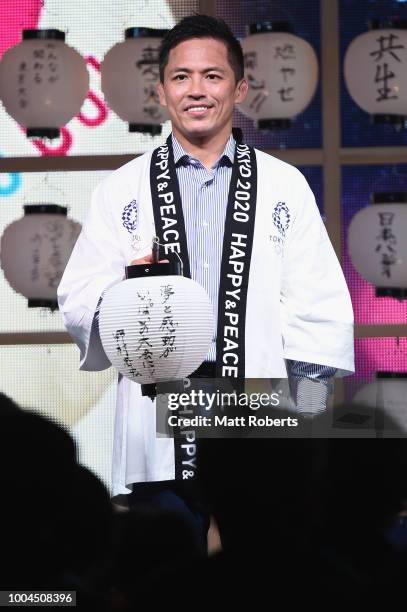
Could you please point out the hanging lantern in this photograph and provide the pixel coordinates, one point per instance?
(156, 329)
(43, 82)
(378, 245)
(282, 72)
(375, 74)
(130, 74)
(388, 394)
(34, 251)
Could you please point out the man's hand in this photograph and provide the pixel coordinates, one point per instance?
(148, 259)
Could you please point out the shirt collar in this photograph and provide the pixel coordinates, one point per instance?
(227, 157)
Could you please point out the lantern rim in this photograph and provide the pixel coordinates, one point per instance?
(387, 374)
(43, 34)
(43, 132)
(38, 303)
(260, 27)
(146, 128)
(173, 268)
(274, 124)
(389, 197)
(397, 120)
(400, 293)
(53, 209)
(387, 24)
(136, 32)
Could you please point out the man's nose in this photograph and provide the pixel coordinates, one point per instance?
(196, 89)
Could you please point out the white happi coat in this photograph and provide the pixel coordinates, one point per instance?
(298, 304)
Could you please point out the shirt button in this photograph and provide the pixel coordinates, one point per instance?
(206, 265)
(205, 223)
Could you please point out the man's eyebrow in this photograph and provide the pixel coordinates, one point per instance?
(211, 69)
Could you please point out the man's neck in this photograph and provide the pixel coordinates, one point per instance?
(208, 151)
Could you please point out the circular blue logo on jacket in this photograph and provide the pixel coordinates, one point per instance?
(130, 216)
(281, 217)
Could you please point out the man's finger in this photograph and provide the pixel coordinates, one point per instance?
(148, 259)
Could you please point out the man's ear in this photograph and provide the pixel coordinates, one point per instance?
(161, 94)
(241, 90)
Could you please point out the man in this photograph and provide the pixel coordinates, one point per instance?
(292, 311)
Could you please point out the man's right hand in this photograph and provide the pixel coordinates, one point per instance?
(148, 259)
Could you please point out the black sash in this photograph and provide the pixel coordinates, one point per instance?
(236, 252)
(237, 245)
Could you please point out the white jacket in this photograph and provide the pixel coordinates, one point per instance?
(298, 304)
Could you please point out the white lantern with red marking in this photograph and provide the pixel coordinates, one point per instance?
(282, 72)
(130, 74)
(375, 73)
(378, 246)
(43, 82)
(34, 251)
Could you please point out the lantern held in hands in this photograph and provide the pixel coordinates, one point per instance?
(156, 329)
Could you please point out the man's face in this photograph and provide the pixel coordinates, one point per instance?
(200, 89)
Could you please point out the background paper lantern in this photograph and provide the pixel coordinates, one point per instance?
(156, 329)
(130, 74)
(375, 73)
(378, 244)
(43, 82)
(388, 392)
(34, 251)
(282, 72)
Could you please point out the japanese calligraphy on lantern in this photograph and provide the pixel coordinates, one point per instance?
(376, 241)
(143, 347)
(388, 61)
(168, 325)
(54, 231)
(122, 350)
(148, 69)
(48, 256)
(40, 66)
(35, 241)
(282, 73)
(375, 72)
(387, 243)
(130, 73)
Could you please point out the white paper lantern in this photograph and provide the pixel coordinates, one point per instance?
(34, 251)
(282, 72)
(129, 75)
(156, 329)
(378, 245)
(43, 82)
(375, 73)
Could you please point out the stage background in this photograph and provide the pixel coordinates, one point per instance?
(43, 375)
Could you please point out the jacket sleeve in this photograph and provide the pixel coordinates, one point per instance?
(96, 263)
(317, 315)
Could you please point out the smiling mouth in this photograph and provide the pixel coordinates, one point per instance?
(198, 110)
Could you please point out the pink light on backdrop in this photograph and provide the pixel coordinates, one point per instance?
(368, 309)
(379, 354)
(17, 15)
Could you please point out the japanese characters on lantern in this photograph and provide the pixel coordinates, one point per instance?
(282, 72)
(375, 73)
(43, 82)
(130, 74)
(377, 244)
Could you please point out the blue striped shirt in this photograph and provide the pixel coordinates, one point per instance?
(204, 195)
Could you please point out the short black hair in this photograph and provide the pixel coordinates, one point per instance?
(202, 26)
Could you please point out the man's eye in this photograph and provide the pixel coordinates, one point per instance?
(213, 76)
(180, 77)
